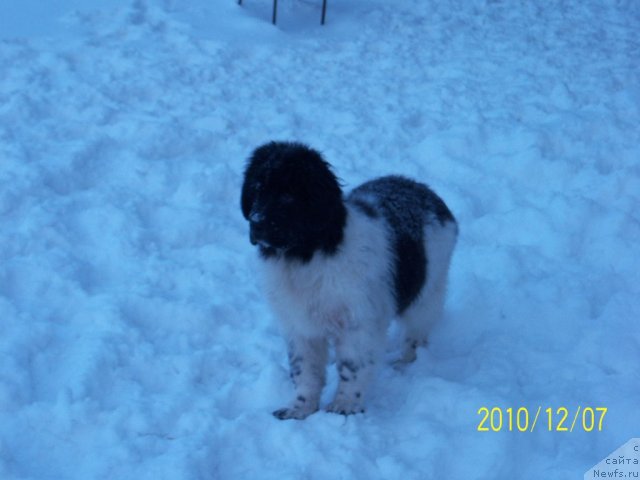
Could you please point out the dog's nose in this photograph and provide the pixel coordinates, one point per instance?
(254, 232)
(255, 217)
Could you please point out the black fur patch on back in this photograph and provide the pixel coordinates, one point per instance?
(364, 207)
(407, 206)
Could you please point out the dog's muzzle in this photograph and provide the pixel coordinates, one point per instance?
(256, 234)
(255, 226)
(252, 235)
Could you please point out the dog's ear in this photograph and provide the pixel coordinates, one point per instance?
(256, 165)
(317, 179)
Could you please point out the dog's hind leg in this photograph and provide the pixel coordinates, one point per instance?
(420, 317)
(307, 363)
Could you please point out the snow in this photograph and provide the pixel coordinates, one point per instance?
(136, 342)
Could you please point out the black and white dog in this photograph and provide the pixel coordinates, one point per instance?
(338, 269)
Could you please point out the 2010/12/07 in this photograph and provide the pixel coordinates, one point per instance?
(497, 419)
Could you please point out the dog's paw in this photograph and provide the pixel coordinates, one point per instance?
(295, 413)
(345, 406)
(409, 353)
(403, 362)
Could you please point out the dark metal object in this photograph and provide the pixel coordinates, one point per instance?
(275, 11)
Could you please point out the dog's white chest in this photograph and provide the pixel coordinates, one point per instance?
(334, 293)
(309, 300)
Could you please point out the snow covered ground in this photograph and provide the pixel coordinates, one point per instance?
(134, 338)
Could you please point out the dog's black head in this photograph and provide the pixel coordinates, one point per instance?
(293, 202)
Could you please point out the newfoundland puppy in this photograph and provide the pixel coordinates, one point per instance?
(338, 268)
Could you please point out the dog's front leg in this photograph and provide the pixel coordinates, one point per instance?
(307, 362)
(357, 354)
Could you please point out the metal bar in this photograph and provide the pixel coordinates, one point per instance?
(324, 11)
(275, 10)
